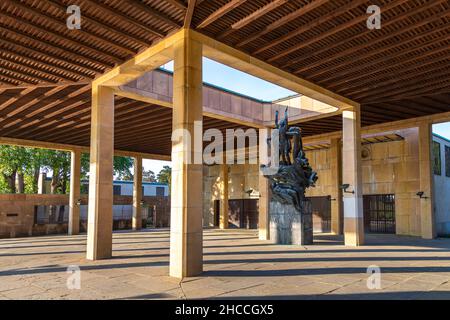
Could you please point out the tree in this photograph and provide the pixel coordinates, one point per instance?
(148, 176)
(122, 167)
(165, 175)
(13, 161)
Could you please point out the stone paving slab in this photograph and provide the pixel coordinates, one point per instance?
(236, 265)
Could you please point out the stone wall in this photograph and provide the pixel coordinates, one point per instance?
(389, 168)
(241, 178)
(17, 213)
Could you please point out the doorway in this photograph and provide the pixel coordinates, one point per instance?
(379, 213)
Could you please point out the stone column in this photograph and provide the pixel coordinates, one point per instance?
(427, 219)
(264, 205)
(137, 194)
(223, 222)
(100, 210)
(336, 191)
(352, 175)
(75, 181)
(186, 227)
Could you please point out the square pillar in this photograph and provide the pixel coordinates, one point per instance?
(74, 197)
(100, 210)
(264, 205)
(352, 175)
(336, 191)
(186, 226)
(223, 221)
(427, 218)
(137, 194)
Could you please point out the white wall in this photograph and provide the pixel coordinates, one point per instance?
(442, 193)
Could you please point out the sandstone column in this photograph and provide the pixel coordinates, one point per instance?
(336, 191)
(74, 208)
(352, 175)
(224, 197)
(100, 213)
(186, 227)
(137, 194)
(427, 219)
(264, 204)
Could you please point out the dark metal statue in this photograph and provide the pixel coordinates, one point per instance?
(294, 174)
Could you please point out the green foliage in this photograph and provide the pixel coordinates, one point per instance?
(31, 162)
(148, 176)
(165, 175)
(122, 167)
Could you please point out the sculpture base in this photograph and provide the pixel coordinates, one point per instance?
(290, 226)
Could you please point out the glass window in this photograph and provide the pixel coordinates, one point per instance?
(447, 161)
(117, 190)
(436, 158)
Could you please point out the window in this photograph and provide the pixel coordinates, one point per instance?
(447, 161)
(160, 191)
(436, 158)
(117, 190)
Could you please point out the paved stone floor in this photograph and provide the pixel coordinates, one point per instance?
(237, 265)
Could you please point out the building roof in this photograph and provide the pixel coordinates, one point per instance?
(397, 72)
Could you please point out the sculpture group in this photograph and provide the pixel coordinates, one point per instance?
(294, 174)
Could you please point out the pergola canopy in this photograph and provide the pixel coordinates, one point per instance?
(397, 72)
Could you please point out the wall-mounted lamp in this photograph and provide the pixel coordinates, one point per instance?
(142, 202)
(249, 191)
(78, 203)
(420, 195)
(344, 188)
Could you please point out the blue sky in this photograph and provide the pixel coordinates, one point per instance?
(232, 79)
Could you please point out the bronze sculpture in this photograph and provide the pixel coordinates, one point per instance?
(294, 174)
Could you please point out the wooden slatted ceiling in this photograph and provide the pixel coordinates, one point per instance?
(327, 42)
(398, 72)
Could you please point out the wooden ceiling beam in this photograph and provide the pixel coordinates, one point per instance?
(220, 13)
(189, 13)
(88, 71)
(178, 4)
(252, 17)
(52, 107)
(317, 53)
(415, 90)
(348, 54)
(30, 72)
(339, 28)
(102, 25)
(403, 72)
(62, 24)
(309, 26)
(15, 97)
(62, 74)
(354, 72)
(124, 17)
(45, 85)
(280, 22)
(75, 55)
(10, 114)
(154, 13)
(17, 76)
(63, 38)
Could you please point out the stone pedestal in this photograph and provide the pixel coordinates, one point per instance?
(290, 226)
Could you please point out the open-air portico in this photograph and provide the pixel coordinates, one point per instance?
(358, 88)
